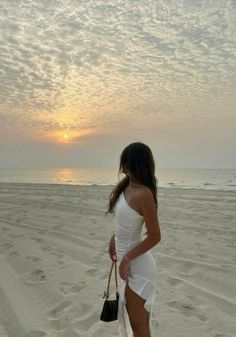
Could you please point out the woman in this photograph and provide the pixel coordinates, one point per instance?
(133, 202)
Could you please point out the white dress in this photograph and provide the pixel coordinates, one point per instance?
(128, 233)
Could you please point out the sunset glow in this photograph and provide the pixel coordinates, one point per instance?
(98, 76)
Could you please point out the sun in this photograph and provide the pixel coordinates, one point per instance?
(65, 136)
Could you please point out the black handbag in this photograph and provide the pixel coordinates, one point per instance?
(110, 307)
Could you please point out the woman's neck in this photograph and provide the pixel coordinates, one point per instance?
(133, 183)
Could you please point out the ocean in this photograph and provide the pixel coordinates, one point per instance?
(214, 179)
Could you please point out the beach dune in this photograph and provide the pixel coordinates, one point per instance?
(54, 263)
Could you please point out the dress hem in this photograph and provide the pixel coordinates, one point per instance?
(124, 326)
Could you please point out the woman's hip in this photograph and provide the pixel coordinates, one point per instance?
(143, 265)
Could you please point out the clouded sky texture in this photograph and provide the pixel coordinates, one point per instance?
(81, 79)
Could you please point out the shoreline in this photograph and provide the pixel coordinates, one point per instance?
(112, 185)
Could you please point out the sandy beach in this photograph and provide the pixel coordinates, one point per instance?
(54, 263)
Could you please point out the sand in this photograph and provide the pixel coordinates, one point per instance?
(54, 263)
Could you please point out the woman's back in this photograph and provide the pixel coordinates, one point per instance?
(128, 226)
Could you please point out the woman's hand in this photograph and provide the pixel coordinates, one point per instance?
(112, 248)
(124, 268)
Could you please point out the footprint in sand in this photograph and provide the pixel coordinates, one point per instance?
(58, 255)
(46, 248)
(36, 239)
(33, 258)
(77, 287)
(98, 257)
(202, 318)
(13, 254)
(175, 282)
(66, 283)
(8, 245)
(82, 311)
(35, 333)
(201, 303)
(15, 236)
(96, 272)
(202, 256)
(68, 289)
(92, 271)
(42, 231)
(5, 229)
(187, 308)
(35, 276)
(57, 226)
(20, 219)
(60, 262)
(54, 312)
(86, 317)
(43, 245)
(187, 268)
(62, 315)
(189, 265)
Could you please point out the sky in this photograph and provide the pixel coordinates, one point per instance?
(81, 79)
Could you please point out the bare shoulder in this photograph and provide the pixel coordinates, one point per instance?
(145, 195)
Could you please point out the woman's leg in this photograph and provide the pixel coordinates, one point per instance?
(138, 315)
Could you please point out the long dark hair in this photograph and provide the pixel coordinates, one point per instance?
(136, 158)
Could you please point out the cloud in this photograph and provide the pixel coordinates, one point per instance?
(92, 64)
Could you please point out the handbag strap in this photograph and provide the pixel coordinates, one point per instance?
(106, 293)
